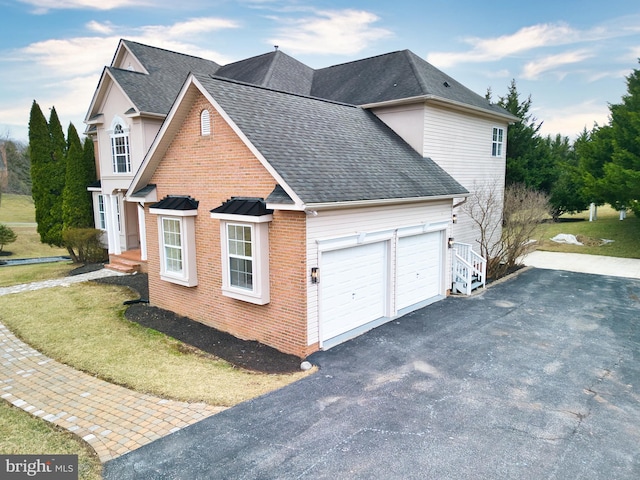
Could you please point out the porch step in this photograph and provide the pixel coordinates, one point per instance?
(125, 265)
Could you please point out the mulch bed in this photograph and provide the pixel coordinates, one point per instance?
(247, 354)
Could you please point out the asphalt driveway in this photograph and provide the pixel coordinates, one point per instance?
(536, 378)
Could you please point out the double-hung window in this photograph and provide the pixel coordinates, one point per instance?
(244, 242)
(497, 142)
(177, 239)
(120, 155)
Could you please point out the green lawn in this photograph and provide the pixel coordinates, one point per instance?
(18, 212)
(625, 234)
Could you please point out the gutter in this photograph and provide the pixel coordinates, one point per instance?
(378, 202)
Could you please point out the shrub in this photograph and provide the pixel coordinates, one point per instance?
(6, 236)
(84, 245)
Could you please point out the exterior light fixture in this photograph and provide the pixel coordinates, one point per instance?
(450, 242)
(315, 278)
(454, 218)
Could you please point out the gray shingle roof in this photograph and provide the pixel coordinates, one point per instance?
(176, 202)
(251, 206)
(329, 152)
(155, 92)
(391, 76)
(275, 70)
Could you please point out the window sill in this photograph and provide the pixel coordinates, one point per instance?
(185, 282)
(245, 296)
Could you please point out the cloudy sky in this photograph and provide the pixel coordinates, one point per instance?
(571, 56)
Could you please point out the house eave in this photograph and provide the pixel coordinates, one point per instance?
(379, 202)
(444, 101)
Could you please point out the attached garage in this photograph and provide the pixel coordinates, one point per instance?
(365, 285)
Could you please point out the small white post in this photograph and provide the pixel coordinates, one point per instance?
(623, 213)
(593, 212)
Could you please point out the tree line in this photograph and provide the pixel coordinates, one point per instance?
(61, 170)
(601, 166)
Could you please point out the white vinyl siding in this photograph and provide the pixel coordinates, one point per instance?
(357, 222)
(461, 144)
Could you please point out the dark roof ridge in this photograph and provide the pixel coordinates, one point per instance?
(284, 92)
(124, 40)
(414, 68)
(363, 59)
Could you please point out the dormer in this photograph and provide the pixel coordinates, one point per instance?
(126, 60)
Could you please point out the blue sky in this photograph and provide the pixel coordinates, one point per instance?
(570, 56)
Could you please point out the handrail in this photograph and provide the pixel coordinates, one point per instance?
(467, 265)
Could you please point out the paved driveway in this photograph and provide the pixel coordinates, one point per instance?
(536, 378)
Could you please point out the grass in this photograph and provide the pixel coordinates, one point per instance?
(625, 234)
(17, 209)
(18, 212)
(24, 434)
(17, 274)
(83, 326)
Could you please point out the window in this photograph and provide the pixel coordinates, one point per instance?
(240, 250)
(177, 239)
(171, 235)
(120, 150)
(244, 245)
(102, 219)
(496, 145)
(205, 123)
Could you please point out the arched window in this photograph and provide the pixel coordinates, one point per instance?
(205, 123)
(120, 156)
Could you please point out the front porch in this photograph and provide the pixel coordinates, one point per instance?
(129, 261)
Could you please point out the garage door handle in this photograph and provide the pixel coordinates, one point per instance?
(353, 296)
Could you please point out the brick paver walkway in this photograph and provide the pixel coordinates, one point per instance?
(112, 419)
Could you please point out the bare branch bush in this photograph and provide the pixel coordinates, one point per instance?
(522, 210)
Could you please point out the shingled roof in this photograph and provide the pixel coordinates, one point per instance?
(392, 76)
(329, 152)
(275, 70)
(167, 71)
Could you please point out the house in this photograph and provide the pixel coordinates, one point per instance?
(302, 207)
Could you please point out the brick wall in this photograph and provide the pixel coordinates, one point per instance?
(213, 169)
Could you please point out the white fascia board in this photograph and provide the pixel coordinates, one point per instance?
(248, 143)
(230, 217)
(384, 201)
(285, 206)
(173, 213)
(96, 95)
(445, 101)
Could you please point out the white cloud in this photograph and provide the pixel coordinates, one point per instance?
(43, 6)
(572, 119)
(532, 70)
(333, 32)
(100, 28)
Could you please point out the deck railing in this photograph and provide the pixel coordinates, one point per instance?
(469, 269)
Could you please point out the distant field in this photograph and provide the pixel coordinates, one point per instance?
(625, 234)
(18, 212)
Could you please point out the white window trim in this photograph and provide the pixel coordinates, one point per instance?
(188, 277)
(102, 212)
(497, 142)
(112, 137)
(260, 293)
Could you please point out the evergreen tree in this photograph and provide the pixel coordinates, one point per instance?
(76, 200)
(40, 154)
(568, 190)
(57, 174)
(621, 181)
(528, 159)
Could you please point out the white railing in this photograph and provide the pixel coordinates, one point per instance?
(469, 269)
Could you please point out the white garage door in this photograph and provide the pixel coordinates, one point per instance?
(419, 268)
(353, 286)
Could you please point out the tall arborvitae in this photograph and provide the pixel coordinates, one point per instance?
(57, 169)
(76, 200)
(40, 154)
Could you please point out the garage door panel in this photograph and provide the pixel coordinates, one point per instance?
(354, 287)
(419, 268)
